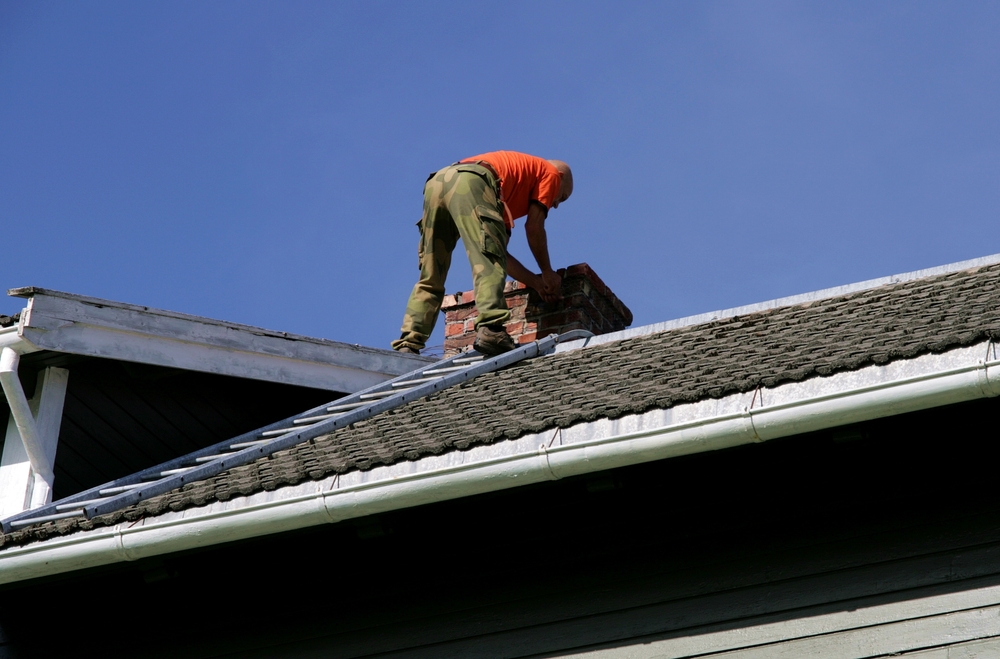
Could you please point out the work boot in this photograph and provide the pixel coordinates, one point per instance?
(492, 340)
(407, 350)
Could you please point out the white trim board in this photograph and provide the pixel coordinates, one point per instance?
(81, 325)
(18, 487)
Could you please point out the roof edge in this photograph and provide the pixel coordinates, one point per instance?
(801, 298)
(924, 382)
(31, 291)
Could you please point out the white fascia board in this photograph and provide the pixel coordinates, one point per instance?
(100, 328)
(877, 391)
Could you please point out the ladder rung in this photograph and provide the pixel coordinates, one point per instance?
(449, 369)
(179, 470)
(210, 458)
(313, 419)
(378, 394)
(469, 360)
(80, 504)
(45, 518)
(277, 433)
(345, 407)
(412, 383)
(248, 444)
(119, 489)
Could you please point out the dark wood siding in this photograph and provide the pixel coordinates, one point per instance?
(897, 518)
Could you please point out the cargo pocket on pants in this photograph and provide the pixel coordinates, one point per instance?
(494, 241)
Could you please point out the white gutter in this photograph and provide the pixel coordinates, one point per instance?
(10, 338)
(128, 542)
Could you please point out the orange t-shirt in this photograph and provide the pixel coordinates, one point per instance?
(523, 179)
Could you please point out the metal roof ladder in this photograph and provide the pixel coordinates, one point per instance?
(262, 442)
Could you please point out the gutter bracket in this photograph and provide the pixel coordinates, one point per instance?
(544, 453)
(748, 426)
(988, 378)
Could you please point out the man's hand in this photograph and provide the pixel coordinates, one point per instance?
(551, 285)
(530, 279)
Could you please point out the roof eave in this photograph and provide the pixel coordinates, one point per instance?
(80, 325)
(877, 391)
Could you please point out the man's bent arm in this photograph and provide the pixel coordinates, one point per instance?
(538, 241)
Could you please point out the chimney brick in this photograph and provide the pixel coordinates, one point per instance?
(587, 303)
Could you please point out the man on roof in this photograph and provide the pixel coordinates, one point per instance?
(477, 200)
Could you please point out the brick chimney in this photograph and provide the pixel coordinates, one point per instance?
(587, 303)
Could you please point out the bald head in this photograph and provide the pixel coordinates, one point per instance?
(566, 189)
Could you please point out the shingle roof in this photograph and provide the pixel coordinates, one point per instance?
(633, 375)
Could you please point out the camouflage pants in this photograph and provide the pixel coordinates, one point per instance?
(460, 201)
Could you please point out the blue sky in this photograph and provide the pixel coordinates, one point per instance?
(264, 162)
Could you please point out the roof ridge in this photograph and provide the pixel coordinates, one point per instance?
(776, 303)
